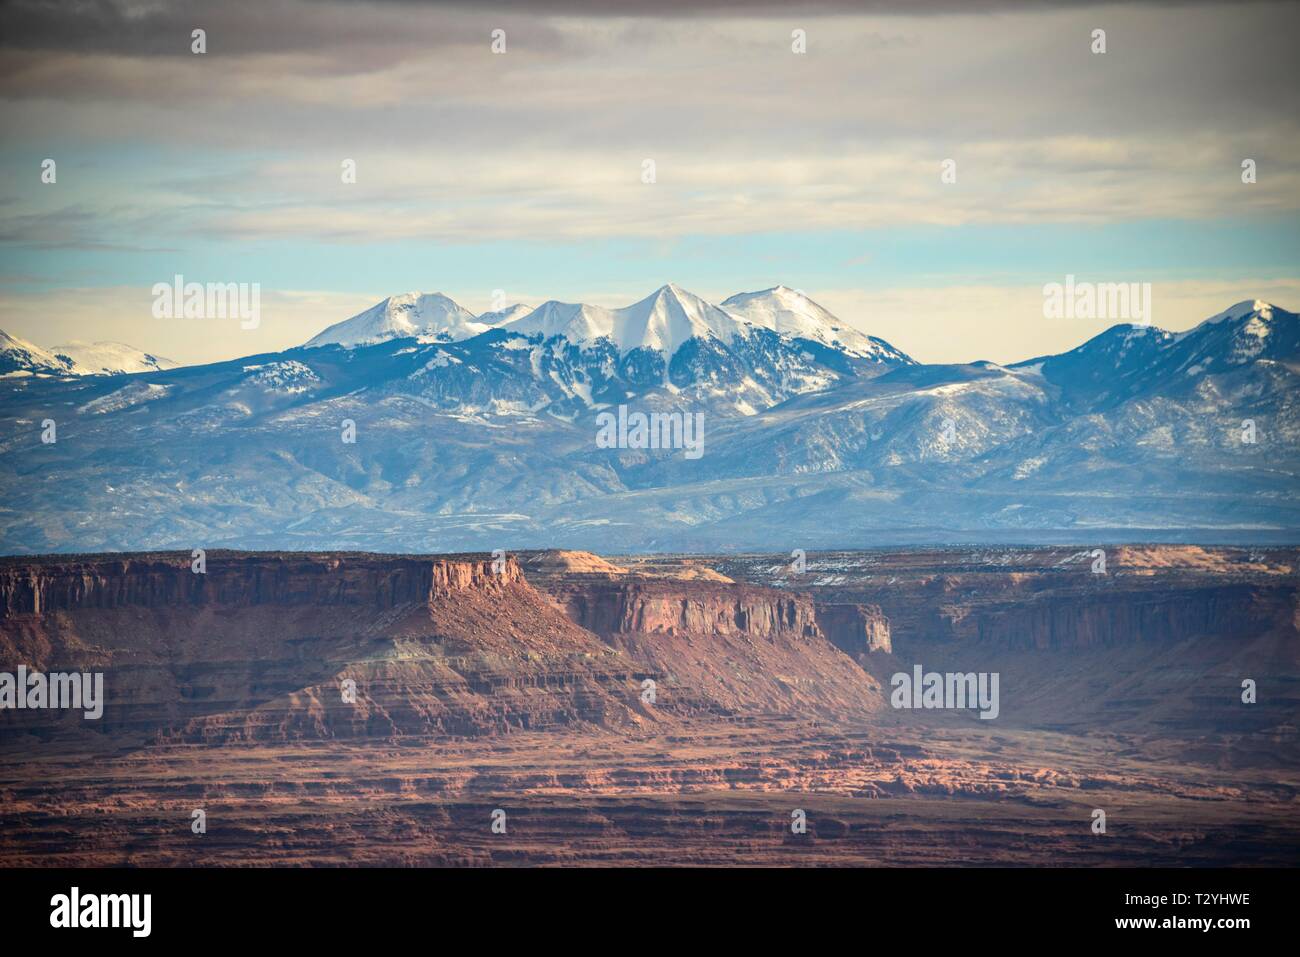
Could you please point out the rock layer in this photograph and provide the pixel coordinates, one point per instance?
(737, 647)
(264, 646)
(856, 629)
(477, 691)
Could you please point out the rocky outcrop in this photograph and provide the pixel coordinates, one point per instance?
(1051, 598)
(1118, 618)
(722, 646)
(1151, 637)
(854, 629)
(476, 693)
(235, 579)
(284, 646)
(683, 607)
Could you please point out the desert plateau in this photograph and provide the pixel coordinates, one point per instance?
(559, 707)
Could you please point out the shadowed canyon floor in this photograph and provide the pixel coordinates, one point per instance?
(523, 687)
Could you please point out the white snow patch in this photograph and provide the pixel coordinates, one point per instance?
(125, 397)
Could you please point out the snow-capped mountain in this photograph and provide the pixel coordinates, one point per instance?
(1248, 332)
(411, 315)
(109, 358)
(490, 440)
(575, 322)
(663, 321)
(502, 316)
(791, 313)
(1127, 361)
(18, 357)
(75, 358)
(670, 349)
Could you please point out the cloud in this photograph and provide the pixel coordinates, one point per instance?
(437, 196)
(162, 27)
(455, 143)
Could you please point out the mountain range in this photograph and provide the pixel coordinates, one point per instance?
(419, 426)
(20, 357)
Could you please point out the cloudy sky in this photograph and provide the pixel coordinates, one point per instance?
(522, 171)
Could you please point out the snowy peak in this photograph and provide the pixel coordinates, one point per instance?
(1241, 334)
(109, 358)
(1247, 330)
(1247, 307)
(576, 322)
(791, 313)
(502, 316)
(670, 315)
(1128, 360)
(663, 321)
(20, 357)
(1124, 341)
(782, 310)
(412, 315)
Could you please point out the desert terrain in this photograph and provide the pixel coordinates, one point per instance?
(563, 708)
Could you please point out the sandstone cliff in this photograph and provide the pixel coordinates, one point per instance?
(1158, 637)
(723, 645)
(854, 628)
(233, 579)
(263, 646)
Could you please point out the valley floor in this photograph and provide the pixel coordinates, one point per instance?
(708, 794)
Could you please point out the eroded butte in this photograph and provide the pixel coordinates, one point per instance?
(348, 708)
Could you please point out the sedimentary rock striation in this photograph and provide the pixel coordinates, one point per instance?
(36, 586)
(342, 708)
(265, 646)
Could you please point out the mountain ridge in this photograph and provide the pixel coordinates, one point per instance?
(491, 442)
(664, 320)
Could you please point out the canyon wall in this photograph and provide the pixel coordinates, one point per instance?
(1050, 598)
(1159, 637)
(35, 586)
(725, 646)
(609, 607)
(613, 606)
(855, 629)
(1073, 621)
(658, 710)
(263, 646)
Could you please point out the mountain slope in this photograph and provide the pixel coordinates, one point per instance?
(491, 442)
(20, 357)
(260, 647)
(1128, 361)
(502, 316)
(663, 321)
(793, 314)
(109, 358)
(410, 315)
